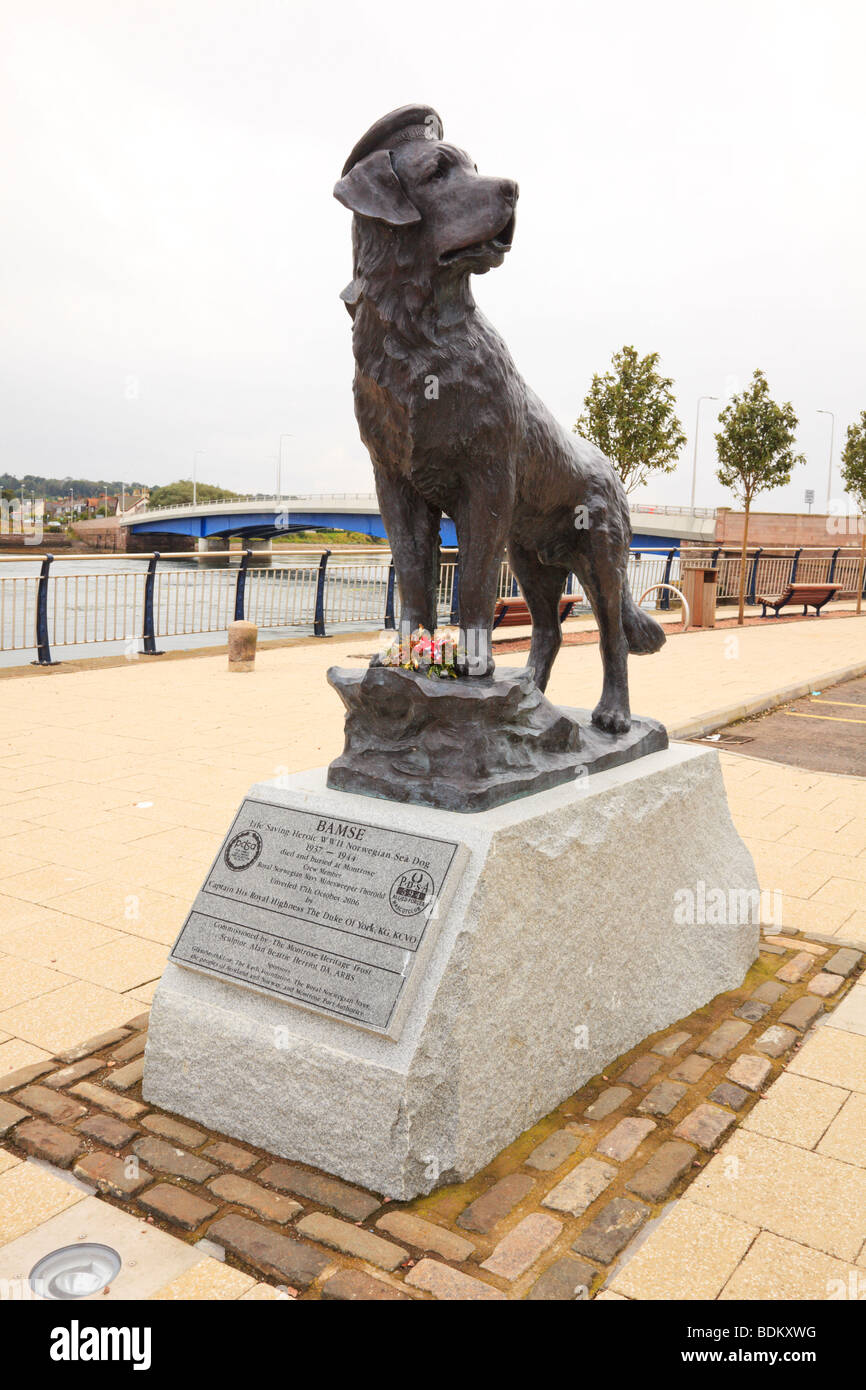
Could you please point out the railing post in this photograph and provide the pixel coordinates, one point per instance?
(454, 617)
(832, 575)
(43, 647)
(319, 618)
(149, 633)
(794, 564)
(241, 586)
(389, 600)
(665, 601)
(754, 579)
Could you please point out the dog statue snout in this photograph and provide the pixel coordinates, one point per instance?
(511, 190)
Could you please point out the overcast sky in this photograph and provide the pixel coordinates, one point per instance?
(691, 181)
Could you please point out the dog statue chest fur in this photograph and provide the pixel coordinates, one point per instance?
(451, 426)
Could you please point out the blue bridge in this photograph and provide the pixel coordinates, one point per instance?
(212, 524)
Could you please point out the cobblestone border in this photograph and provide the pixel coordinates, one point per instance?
(548, 1219)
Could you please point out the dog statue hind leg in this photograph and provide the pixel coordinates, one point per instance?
(601, 567)
(541, 586)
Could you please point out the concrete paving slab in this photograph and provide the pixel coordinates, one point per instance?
(151, 1258)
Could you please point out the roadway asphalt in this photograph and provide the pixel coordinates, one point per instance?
(824, 731)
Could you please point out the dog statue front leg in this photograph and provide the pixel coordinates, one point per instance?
(412, 526)
(481, 536)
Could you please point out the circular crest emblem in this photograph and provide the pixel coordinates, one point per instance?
(242, 850)
(411, 892)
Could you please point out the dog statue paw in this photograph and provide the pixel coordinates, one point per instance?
(475, 667)
(611, 718)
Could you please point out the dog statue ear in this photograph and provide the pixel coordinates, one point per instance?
(352, 296)
(372, 189)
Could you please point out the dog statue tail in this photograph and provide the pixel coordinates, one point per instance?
(643, 633)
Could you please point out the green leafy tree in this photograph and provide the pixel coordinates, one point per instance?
(629, 413)
(854, 478)
(755, 449)
(173, 494)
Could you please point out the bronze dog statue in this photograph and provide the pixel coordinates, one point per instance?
(452, 427)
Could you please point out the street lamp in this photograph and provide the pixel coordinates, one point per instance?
(199, 453)
(695, 462)
(830, 470)
(280, 463)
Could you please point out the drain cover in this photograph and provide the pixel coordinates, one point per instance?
(74, 1271)
(726, 738)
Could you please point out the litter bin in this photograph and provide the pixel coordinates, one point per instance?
(699, 586)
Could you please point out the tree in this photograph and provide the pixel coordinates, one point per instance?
(173, 494)
(755, 452)
(854, 478)
(629, 413)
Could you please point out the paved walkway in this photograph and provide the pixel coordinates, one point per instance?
(780, 1211)
(116, 785)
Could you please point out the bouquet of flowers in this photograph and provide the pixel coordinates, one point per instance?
(435, 654)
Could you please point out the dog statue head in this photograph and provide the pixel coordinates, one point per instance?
(438, 215)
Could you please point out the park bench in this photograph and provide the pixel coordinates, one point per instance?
(513, 612)
(810, 595)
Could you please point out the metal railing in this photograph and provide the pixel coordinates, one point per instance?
(320, 591)
(84, 608)
(666, 510)
(771, 571)
(18, 596)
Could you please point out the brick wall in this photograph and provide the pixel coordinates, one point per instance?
(786, 530)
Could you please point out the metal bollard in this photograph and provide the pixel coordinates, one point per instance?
(43, 645)
(242, 645)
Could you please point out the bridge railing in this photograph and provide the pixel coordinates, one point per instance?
(272, 499)
(315, 591)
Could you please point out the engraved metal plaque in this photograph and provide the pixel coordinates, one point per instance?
(335, 916)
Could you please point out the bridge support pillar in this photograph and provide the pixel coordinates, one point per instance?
(261, 547)
(206, 543)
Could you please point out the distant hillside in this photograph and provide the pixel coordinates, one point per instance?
(60, 487)
(174, 493)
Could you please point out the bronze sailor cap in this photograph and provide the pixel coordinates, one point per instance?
(406, 123)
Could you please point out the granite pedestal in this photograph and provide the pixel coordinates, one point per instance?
(566, 940)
